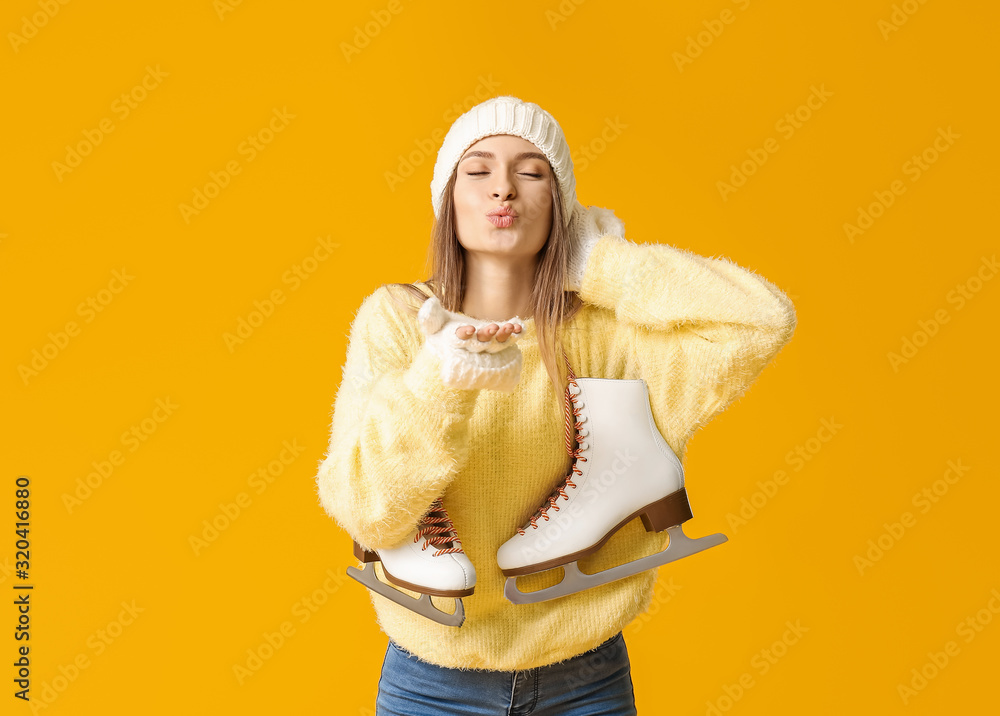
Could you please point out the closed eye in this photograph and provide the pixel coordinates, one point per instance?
(473, 174)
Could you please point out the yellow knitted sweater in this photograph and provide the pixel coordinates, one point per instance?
(698, 330)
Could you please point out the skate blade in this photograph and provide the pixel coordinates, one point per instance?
(574, 580)
(421, 605)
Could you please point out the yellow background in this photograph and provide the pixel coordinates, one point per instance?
(362, 115)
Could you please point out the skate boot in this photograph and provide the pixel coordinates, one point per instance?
(622, 468)
(430, 561)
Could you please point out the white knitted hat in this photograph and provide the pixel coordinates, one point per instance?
(506, 115)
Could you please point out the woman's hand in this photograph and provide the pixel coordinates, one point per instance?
(488, 332)
(447, 329)
(474, 354)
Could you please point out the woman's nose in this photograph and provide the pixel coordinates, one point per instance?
(503, 189)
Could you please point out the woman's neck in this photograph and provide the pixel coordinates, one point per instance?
(497, 290)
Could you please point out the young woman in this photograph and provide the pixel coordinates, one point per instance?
(455, 416)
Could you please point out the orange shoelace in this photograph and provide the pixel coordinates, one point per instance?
(437, 529)
(573, 450)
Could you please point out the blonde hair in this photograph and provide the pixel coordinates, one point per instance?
(550, 304)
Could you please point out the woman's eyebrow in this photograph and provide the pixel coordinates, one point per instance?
(491, 155)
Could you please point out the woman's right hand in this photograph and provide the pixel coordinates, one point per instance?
(447, 329)
(489, 332)
(474, 354)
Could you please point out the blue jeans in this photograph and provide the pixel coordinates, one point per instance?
(595, 683)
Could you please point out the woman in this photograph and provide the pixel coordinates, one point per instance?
(451, 399)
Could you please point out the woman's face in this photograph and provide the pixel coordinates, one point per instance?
(503, 171)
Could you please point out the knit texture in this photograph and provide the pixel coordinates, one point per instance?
(698, 330)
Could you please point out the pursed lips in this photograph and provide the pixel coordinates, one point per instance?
(501, 217)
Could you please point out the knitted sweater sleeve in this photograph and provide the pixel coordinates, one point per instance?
(699, 329)
(398, 435)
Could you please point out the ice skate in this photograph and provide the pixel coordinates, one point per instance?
(430, 561)
(622, 468)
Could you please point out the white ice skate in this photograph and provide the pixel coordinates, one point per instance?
(622, 468)
(430, 561)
